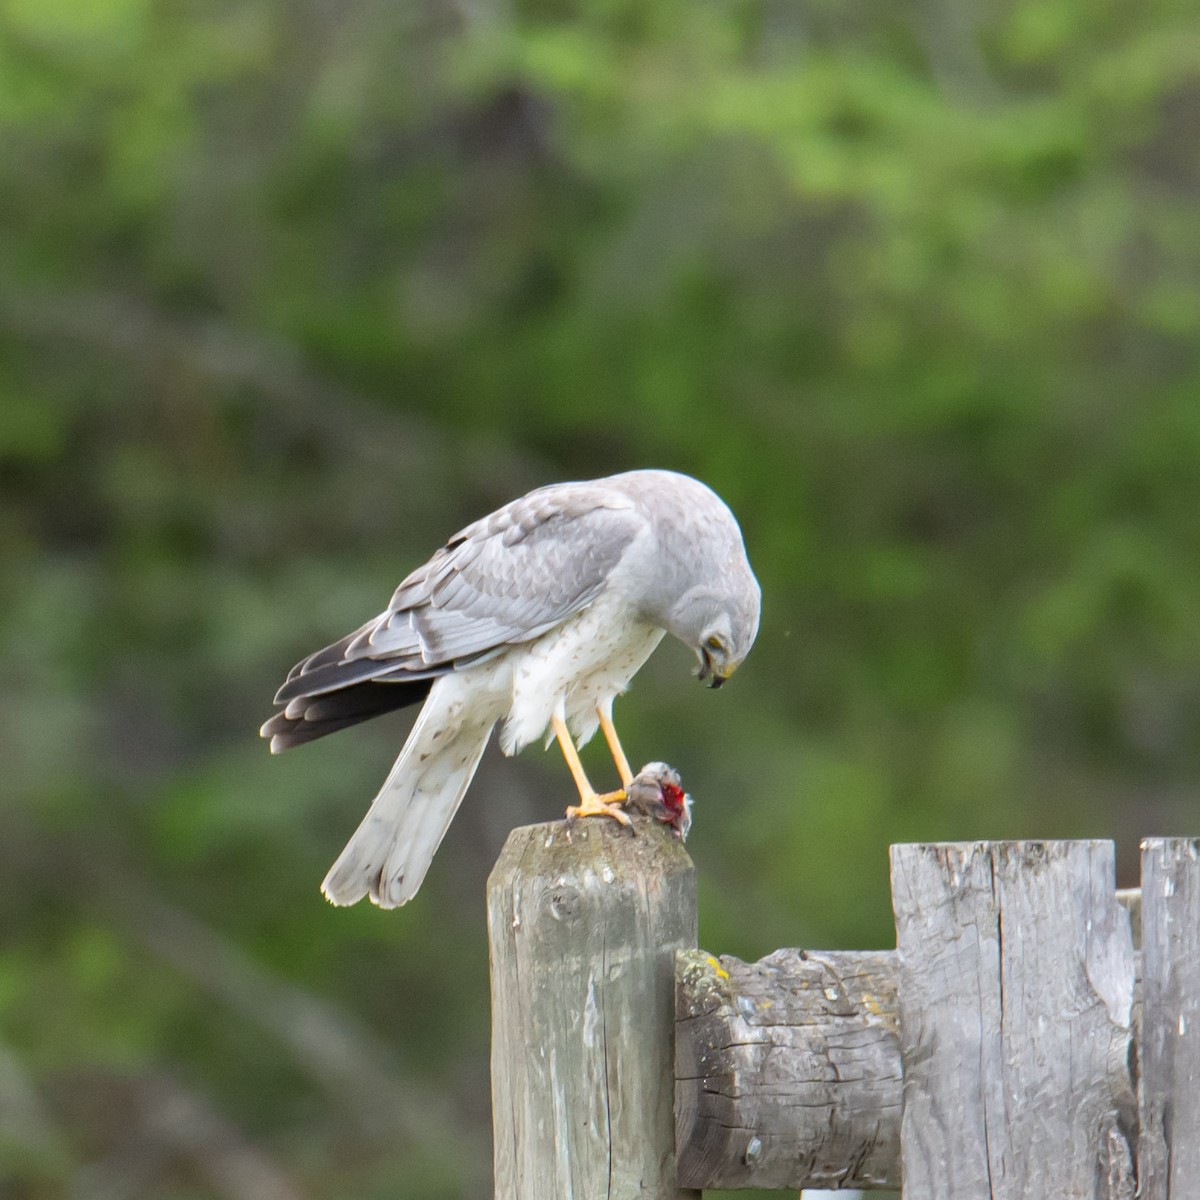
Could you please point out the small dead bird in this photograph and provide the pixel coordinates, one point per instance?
(657, 791)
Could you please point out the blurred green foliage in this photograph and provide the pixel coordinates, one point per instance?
(288, 292)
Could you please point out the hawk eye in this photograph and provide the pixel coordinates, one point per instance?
(714, 643)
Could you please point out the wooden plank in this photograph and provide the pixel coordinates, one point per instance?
(584, 922)
(1130, 899)
(787, 1071)
(1016, 992)
(1169, 1084)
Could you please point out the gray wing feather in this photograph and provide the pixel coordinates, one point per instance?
(503, 580)
(520, 572)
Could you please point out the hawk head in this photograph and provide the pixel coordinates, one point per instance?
(719, 624)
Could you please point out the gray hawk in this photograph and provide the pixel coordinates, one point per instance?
(536, 617)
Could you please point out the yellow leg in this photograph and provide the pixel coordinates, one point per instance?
(614, 748)
(590, 803)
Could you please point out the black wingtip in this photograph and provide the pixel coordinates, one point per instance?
(330, 711)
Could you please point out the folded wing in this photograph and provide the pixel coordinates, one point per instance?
(502, 581)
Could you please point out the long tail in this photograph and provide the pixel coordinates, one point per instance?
(391, 850)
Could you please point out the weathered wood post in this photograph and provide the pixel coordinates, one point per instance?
(993, 1053)
(584, 921)
(1016, 992)
(1169, 1089)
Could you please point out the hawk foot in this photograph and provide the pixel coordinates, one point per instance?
(607, 805)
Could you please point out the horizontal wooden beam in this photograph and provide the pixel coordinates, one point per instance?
(787, 1071)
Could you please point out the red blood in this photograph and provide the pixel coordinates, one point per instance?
(672, 799)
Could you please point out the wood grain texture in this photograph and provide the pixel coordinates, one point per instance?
(1016, 993)
(787, 1070)
(584, 922)
(1169, 1085)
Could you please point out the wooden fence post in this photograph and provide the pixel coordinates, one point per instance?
(1016, 995)
(991, 1051)
(1169, 1084)
(584, 921)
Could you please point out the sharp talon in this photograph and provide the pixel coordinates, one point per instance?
(608, 805)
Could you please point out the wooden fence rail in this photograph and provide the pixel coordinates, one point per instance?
(788, 1070)
(1015, 1045)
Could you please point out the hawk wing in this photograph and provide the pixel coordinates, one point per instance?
(506, 579)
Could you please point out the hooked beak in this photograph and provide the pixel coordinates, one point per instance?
(707, 671)
(719, 678)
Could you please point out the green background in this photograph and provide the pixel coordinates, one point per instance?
(291, 291)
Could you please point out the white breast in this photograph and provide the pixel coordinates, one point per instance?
(574, 669)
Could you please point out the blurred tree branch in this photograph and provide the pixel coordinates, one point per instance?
(169, 1122)
(323, 1040)
(25, 1124)
(226, 357)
